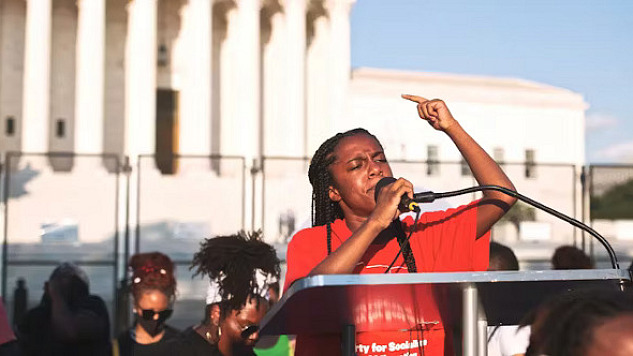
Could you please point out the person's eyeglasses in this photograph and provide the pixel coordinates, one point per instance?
(248, 331)
(148, 314)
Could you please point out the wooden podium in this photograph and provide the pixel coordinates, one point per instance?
(465, 302)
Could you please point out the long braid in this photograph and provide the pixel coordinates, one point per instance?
(406, 248)
(324, 210)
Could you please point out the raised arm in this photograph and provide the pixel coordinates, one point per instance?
(486, 171)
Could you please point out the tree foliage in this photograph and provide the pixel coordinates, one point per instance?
(615, 203)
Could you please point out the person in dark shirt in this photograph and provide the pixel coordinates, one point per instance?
(153, 289)
(20, 301)
(69, 321)
(240, 267)
(570, 257)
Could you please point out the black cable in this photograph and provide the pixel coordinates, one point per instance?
(406, 241)
(428, 197)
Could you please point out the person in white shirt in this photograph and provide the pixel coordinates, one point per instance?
(506, 340)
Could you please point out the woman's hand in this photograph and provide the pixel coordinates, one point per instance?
(435, 112)
(386, 209)
(492, 205)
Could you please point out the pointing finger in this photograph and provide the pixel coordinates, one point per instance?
(414, 98)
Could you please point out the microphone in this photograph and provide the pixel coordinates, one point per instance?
(406, 203)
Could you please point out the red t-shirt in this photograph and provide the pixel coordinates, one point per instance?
(443, 241)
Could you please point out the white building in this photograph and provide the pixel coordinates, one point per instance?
(246, 78)
(239, 73)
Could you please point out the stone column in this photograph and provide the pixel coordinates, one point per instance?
(140, 95)
(195, 120)
(90, 77)
(318, 95)
(247, 74)
(140, 78)
(246, 100)
(37, 63)
(340, 53)
(294, 119)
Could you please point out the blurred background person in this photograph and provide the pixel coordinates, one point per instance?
(274, 345)
(153, 290)
(20, 301)
(506, 340)
(570, 257)
(241, 268)
(584, 323)
(69, 320)
(502, 258)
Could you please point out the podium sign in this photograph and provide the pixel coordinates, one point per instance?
(386, 302)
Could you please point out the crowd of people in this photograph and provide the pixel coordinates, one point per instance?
(356, 229)
(243, 273)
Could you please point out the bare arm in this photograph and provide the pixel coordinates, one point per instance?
(494, 204)
(344, 259)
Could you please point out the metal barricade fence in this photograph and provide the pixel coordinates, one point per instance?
(286, 197)
(286, 202)
(60, 207)
(200, 196)
(72, 207)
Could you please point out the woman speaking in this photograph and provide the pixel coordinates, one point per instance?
(355, 232)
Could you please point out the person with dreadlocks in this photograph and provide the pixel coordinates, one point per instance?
(240, 268)
(355, 233)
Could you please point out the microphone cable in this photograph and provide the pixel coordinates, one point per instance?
(428, 197)
(406, 240)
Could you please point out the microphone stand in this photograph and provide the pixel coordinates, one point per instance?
(428, 197)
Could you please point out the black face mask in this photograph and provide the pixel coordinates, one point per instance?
(151, 326)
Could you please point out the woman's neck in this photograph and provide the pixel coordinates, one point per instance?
(354, 222)
(142, 337)
(225, 346)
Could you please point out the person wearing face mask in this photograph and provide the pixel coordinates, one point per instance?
(153, 289)
(240, 268)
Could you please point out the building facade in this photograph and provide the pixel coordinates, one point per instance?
(251, 80)
(177, 76)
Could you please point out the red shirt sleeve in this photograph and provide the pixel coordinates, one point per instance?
(305, 251)
(446, 241)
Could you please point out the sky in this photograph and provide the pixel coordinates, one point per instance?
(582, 45)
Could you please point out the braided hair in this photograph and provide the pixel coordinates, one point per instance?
(324, 210)
(152, 271)
(234, 262)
